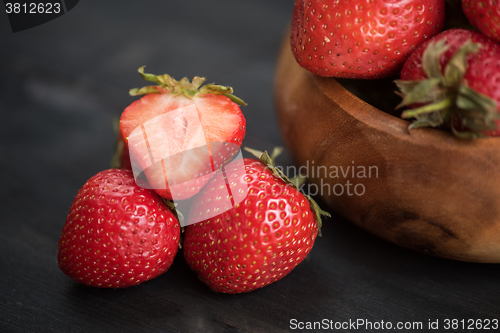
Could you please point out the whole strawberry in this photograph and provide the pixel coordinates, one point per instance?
(451, 81)
(117, 234)
(257, 242)
(177, 133)
(361, 38)
(484, 15)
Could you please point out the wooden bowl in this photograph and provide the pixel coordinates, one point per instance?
(434, 193)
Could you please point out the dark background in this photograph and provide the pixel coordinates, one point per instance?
(62, 84)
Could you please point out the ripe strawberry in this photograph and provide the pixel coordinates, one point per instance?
(257, 242)
(361, 38)
(452, 81)
(484, 15)
(117, 234)
(177, 131)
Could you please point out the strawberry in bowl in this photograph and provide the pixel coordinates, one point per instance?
(435, 192)
(451, 81)
(484, 15)
(362, 38)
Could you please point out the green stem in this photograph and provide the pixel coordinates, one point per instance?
(429, 108)
(298, 180)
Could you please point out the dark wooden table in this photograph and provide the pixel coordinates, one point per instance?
(64, 82)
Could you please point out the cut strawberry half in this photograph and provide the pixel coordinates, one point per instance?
(180, 132)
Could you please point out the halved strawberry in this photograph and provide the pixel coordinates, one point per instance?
(175, 132)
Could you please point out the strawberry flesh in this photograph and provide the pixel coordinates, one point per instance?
(179, 133)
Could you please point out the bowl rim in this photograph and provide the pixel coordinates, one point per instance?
(388, 123)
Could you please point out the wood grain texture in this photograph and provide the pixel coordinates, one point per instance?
(434, 193)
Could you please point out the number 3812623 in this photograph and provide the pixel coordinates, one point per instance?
(32, 8)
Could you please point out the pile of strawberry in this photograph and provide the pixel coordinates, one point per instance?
(119, 234)
(448, 79)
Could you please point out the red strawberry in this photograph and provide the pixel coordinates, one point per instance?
(484, 15)
(361, 38)
(257, 242)
(177, 133)
(452, 81)
(117, 234)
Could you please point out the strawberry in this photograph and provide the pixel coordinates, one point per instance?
(117, 234)
(484, 15)
(259, 240)
(361, 38)
(180, 132)
(451, 82)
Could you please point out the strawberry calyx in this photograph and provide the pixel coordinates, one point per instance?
(184, 87)
(447, 99)
(118, 148)
(180, 217)
(173, 207)
(268, 160)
